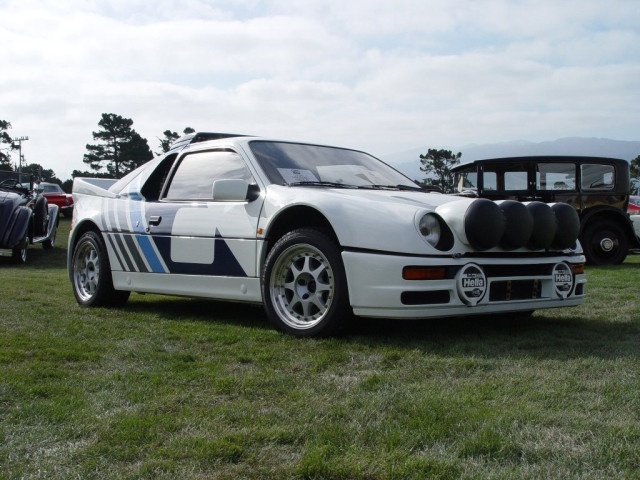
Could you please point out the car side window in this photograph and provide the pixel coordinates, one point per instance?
(505, 177)
(153, 186)
(597, 177)
(466, 180)
(555, 176)
(194, 176)
(490, 181)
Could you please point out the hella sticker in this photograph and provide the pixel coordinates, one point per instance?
(562, 279)
(472, 284)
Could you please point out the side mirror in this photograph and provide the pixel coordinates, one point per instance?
(234, 190)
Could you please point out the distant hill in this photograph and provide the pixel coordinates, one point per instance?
(408, 162)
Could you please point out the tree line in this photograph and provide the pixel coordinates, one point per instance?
(119, 149)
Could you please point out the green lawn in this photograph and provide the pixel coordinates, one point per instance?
(178, 388)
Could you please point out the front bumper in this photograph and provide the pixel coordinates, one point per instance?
(377, 287)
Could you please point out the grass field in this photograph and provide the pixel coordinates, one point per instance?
(176, 388)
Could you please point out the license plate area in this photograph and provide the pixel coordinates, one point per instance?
(508, 290)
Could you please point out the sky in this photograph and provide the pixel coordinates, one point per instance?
(376, 75)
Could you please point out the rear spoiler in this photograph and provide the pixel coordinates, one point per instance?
(97, 187)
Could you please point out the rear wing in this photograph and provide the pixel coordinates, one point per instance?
(97, 187)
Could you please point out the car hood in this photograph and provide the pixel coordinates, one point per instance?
(370, 219)
(378, 219)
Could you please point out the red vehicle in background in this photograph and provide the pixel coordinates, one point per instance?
(55, 195)
(634, 205)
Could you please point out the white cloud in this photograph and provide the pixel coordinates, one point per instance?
(370, 74)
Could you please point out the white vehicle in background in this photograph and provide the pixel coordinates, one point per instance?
(316, 234)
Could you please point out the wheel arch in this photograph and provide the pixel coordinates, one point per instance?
(294, 217)
(606, 214)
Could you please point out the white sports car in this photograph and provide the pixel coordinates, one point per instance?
(316, 234)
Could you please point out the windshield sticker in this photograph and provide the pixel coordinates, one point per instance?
(294, 175)
(351, 174)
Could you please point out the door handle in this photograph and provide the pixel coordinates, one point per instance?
(154, 220)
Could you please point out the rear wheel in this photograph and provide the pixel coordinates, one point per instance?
(304, 285)
(40, 217)
(19, 253)
(91, 274)
(51, 241)
(605, 243)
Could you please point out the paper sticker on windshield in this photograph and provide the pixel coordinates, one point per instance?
(294, 175)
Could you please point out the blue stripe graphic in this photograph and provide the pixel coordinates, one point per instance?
(149, 254)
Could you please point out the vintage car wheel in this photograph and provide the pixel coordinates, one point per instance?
(92, 282)
(19, 254)
(304, 285)
(605, 243)
(40, 217)
(51, 241)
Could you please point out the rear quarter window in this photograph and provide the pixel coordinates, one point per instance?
(597, 177)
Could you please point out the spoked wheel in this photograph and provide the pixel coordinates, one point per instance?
(91, 274)
(304, 285)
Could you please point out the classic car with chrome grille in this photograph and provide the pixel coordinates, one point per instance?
(316, 234)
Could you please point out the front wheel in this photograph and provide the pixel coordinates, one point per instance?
(91, 274)
(605, 243)
(304, 285)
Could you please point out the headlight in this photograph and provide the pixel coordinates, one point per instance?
(430, 228)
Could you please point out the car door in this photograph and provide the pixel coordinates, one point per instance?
(557, 182)
(197, 235)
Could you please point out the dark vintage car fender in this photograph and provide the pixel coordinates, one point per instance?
(25, 219)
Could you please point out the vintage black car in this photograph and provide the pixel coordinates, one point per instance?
(25, 216)
(597, 187)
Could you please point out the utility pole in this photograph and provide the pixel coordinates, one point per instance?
(20, 140)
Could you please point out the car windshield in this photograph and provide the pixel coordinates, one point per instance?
(13, 180)
(51, 189)
(466, 180)
(314, 165)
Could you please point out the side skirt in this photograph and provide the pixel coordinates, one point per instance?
(243, 289)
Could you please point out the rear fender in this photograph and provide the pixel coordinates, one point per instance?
(17, 227)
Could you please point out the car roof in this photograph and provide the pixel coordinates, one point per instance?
(203, 137)
(545, 159)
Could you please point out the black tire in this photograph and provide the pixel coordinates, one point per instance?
(91, 274)
(304, 286)
(50, 242)
(605, 243)
(19, 253)
(40, 217)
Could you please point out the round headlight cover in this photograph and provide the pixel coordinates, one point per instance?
(430, 228)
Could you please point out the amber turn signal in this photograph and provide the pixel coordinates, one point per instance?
(577, 268)
(423, 273)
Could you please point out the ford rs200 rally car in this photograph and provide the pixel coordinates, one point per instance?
(316, 234)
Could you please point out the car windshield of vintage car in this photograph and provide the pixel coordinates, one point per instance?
(466, 180)
(14, 180)
(301, 164)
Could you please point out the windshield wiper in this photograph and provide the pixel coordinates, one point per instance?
(391, 187)
(320, 184)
